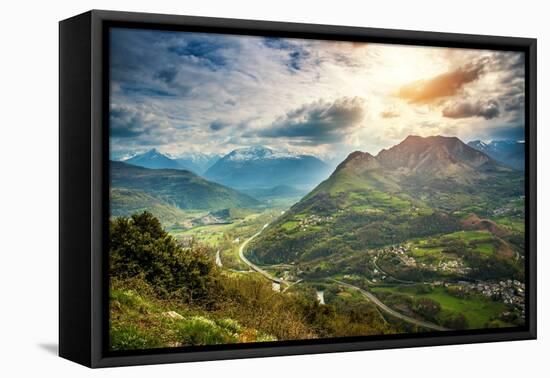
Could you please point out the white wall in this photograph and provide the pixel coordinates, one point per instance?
(28, 211)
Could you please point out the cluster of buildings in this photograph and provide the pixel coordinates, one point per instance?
(505, 210)
(501, 211)
(401, 252)
(454, 266)
(451, 266)
(511, 292)
(313, 220)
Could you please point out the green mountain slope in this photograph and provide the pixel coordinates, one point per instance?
(125, 202)
(179, 188)
(421, 187)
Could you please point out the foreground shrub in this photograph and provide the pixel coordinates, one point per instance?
(140, 247)
(129, 336)
(199, 330)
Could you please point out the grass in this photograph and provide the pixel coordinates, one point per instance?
(485, 248)
(512, 224)
(127, 201)
(361, 208)
(230, 258)
(224, 237)
(374, 199)
(477, 309)
(142, 322)
(198, 330)
(130, 336)
(426, 251)
(290, 225)
(478, 241)
(469, 235)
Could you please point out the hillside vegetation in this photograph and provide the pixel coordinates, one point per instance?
(125, 202)
(419, 188)
(179, 188)
(165, 294)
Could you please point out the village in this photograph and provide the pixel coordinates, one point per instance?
(313, 220)
(507, 209)
(509, 292)
(403, 252)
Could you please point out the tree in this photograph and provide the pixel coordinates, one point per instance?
(140, 247)
(427, 308)
(456, 321)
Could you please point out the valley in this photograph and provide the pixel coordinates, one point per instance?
(271, 189)
(424, 213)
(425, 236)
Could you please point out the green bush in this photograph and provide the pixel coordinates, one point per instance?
(129, 336)
(140, 247)
(455, 321)
(427, 308)
(230, 325)
(202, 331)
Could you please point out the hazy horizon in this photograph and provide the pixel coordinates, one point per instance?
(127, 156)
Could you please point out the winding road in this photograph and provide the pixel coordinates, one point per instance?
(389, 275)
(390, 311)
(377, 302)
(254, 266)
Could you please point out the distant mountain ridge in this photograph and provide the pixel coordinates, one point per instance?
(153, 159)
(262, 167)
(179, 188)
(508, 152)
(197, 162)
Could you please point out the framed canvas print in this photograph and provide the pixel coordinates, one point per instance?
(233, 188)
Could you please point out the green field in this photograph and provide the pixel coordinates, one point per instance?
(290, 225)
(211, 234)
(443, 246)
(227, 237)
(485, 248)
(470, 236)
(477, 310)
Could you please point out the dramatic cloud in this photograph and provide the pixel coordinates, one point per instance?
(485, 109)
(126, 122)
(319, 122)
(188, 92)
(218, 125)
(167, 75)
(444, 85)
(389, 114)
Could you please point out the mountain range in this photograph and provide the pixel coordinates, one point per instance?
(180, 188)
(419, 187)
(194, 162)
(508, 152)
(251, 168)
(153, 159)
(197, 162)
(260, 167)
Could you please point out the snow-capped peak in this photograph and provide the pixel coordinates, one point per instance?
(260, 152)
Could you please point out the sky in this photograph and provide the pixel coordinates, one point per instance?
(185, 93)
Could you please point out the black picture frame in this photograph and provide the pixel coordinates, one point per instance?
(84, 192)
